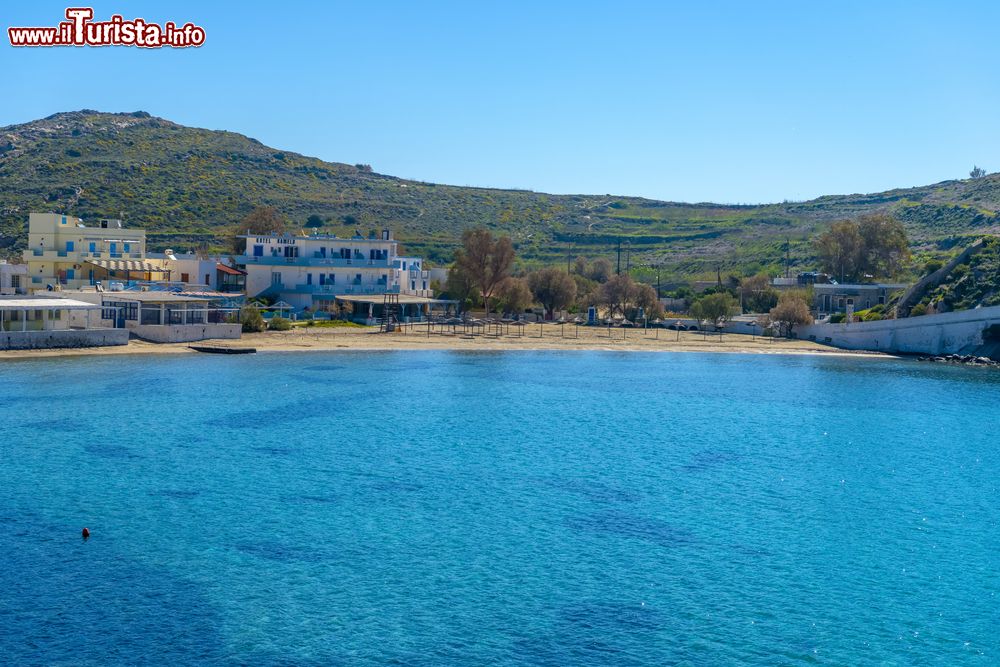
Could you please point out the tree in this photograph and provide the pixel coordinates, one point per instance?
(840, 250)
(580, 266)
(716, 309)
(600, 270)
(485, 261)
(514, 295)
(460, 288)
(885, 245)
(262, 220)
(618, 294)
(646, 299)
(791, 310)
(873, 244)
(314, 221)
(552, 288)
(977, 172)
(757, 295)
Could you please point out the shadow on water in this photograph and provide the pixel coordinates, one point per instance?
(279, 552)
(592, 490)
(324, 368)
(175, 493)
(111, 451)
(600, 632)
(624, 525)
(62, 424)
(72, 602)
(709, 459)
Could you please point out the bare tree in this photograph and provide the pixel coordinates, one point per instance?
(261, 220)
(977, 172)
(791, 310)
(485, 261)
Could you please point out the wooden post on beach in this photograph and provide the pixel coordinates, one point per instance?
(541, 333)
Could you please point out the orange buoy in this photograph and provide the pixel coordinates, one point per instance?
(85, 532)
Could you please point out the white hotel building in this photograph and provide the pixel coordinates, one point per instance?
(312, 271)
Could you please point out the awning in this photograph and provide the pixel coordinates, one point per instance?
(230, 270)
(136, 265)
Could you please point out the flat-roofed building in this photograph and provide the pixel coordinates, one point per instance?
(13, 278)
(50, 321)
(63, 252)
(312, 271)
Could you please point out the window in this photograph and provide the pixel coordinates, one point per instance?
(63, 221)
(15, 282)
(258, 251)
(275, 278)
(93, 247)
(125, 247)
(184, 277)
(69, 246)
(309, 279)
(322, 279)
(70, 274)
(114, 249)
(291, 251)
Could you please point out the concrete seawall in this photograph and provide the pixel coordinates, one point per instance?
(57, 338)
(947, 333)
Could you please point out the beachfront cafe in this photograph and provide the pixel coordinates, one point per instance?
(369, 309)
(43, 321)
(169, 317)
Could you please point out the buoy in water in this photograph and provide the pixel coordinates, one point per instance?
(85, 532)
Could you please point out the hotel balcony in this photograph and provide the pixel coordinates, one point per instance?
(63, 254)
(337, 290)
(362, 262)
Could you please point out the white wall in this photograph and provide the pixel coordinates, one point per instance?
(184, 333)
(947, 333)
(38, 340)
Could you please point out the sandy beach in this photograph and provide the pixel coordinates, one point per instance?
(533, 337)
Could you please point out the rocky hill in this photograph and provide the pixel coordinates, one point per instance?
(190, 186)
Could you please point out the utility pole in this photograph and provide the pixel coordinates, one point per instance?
(788, 258)
(618, 270)
(628, 257)
(569, 248)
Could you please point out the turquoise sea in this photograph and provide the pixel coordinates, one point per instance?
(443, 508)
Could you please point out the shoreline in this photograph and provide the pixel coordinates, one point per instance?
(309, 339)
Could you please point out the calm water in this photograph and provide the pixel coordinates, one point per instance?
(522, 508)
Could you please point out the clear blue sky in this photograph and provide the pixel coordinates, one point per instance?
(698, 101)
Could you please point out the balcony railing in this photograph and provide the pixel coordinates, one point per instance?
(335, 290)
(317, 261)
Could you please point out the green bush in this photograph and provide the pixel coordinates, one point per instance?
(933, 265)
(918, 310)
(280, 324)
(251, 319)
